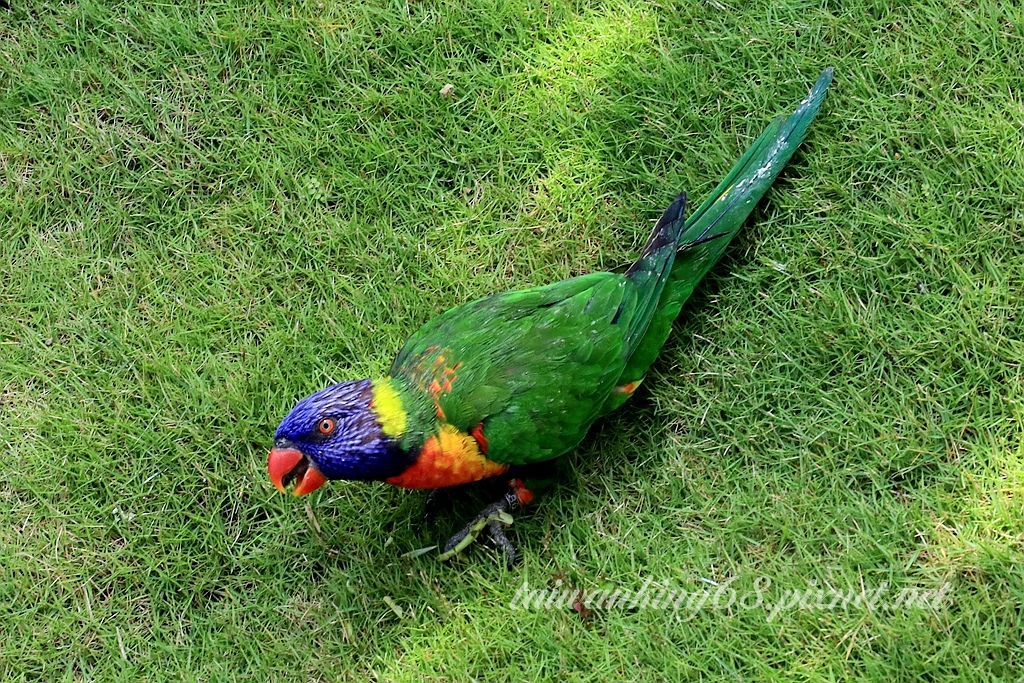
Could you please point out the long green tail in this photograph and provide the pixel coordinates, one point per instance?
(720, 217)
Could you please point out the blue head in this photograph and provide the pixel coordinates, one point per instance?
(333, 434)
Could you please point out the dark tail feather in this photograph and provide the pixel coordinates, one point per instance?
(652, 270)
(666, 232)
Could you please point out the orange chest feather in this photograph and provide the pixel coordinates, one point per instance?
(448, 458)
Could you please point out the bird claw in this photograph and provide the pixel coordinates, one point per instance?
(497, 529)
(495, 517)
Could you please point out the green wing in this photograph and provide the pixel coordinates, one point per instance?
(531, 368)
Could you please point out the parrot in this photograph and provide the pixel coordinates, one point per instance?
(496, 385)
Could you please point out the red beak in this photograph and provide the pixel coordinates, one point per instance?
(288, 464)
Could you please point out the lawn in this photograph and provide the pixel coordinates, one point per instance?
(209, 210)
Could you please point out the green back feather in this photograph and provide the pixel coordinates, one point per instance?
(534, 366)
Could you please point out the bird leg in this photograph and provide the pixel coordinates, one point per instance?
(495, 517)
(436, 501)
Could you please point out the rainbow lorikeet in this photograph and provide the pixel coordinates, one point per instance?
(517, 378)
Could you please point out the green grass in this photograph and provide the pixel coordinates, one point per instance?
(206, 214)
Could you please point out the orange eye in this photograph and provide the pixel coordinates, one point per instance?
(326, 426)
